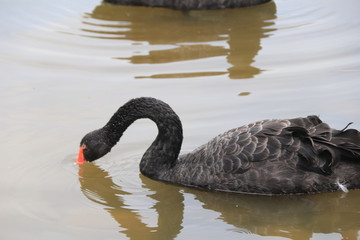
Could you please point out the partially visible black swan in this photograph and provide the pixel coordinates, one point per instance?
(190, 4)
(290, 156)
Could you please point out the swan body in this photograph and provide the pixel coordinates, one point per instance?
(288, 156)
(190, 4)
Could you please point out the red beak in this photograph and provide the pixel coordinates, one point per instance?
(81, 158)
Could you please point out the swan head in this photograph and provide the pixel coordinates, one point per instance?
(93, 146)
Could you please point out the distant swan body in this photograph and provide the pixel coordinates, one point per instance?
(290, 156)
(190, 4)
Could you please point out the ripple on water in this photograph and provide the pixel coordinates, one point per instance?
(116, 187)
(316, 39)
(134, 200)
(119, 173)
(108, 38)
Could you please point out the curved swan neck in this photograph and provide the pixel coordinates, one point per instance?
(165, 149)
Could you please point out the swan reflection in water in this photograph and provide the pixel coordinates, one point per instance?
(233, 33)
(293, 217)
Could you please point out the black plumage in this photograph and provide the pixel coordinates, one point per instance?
(190, 4)
(279, 156)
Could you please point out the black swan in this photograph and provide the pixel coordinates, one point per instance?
(289, 156)
(190, 4)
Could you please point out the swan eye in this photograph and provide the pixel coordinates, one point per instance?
(88, 154)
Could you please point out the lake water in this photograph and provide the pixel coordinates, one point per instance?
(67, 66)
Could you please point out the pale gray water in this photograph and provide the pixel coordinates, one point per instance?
(67, 66)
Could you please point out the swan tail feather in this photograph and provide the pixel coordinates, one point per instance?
(322, 146)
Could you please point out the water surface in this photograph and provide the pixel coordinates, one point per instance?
(66, 67)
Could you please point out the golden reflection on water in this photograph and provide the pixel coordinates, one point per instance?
(233, 33)
(293, 217)
(169, 207)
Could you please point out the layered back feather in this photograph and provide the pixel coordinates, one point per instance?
(301, 155)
